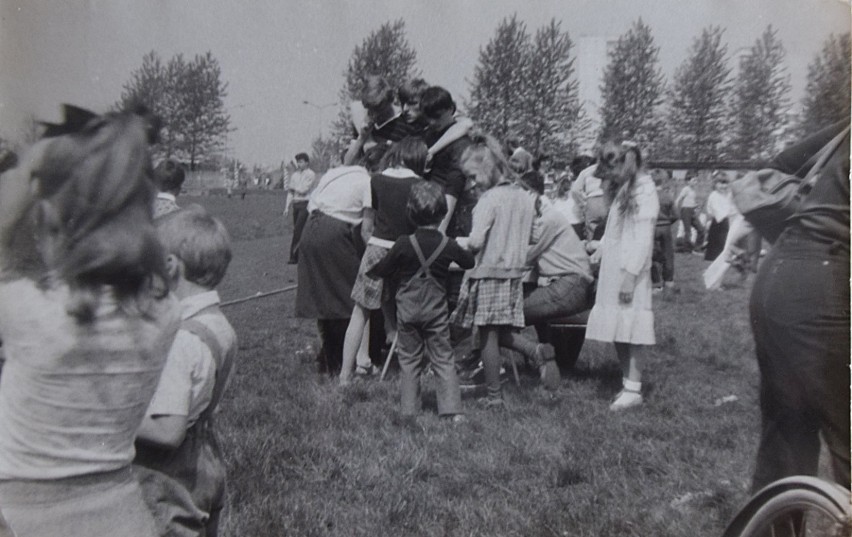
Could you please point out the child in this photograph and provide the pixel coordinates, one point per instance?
(169, 176)
(86, 322)
(622, 312)
(491, 297)
(179, 461)
(403, 167)
(419, 264)
(686, 205)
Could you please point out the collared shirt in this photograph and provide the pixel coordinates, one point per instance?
(343, 193)
(301, 184)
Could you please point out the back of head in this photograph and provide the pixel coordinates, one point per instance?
(427, 204)
(412, 90)
(534, 181)
(521, 161)
(407, 153)
(92, 214)
(377, 92)
(200, 241)
(435, 101)
(169, 176)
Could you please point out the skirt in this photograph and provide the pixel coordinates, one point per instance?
(329, 255)
(489, 302)
(368, 292)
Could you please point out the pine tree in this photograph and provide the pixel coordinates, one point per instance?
(759, 107)
(698, 100)
(552, 112)
(827, 94)
(632, 89)
(497, 92)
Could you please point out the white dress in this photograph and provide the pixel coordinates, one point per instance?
(626, 247)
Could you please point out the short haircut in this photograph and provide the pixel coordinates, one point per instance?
(303, 157)
(408, 153)
(377, 92)
(412, 90)
(200, 241)
(169, 176)
(435, 101)
(427, 205)
(534, 181)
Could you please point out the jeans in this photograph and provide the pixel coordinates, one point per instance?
(564, 297)
(800, 317)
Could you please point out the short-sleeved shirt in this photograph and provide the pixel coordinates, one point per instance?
(343, 193)
(186, 385)
(446, 171)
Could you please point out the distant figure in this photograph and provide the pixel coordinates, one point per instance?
(169, 176)
(663, 270)
(302, 182)
(686, 205)
(179, 461)
(719, 209)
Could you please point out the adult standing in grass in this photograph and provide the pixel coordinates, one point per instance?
(800, 317)
(86, 321)
(719, 208)
(298, 192)
(333, 241)
(622, 312)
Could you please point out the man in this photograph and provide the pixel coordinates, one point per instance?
(299, 189)
(169, 176)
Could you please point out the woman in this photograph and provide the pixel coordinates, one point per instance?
(86, 323)
(622, 312)
(339, 223)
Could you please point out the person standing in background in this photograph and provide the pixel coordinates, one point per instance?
(299, 188)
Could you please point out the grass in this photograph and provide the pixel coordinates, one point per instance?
(306, 459)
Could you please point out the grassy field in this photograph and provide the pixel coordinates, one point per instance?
(306, 459)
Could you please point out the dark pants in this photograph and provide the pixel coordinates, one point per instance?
(690, 220)
(566, 296)
(716, 236)
(300, 216)
(662, 269)
(332, 332)
(800, 317)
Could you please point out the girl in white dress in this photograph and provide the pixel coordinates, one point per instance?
(622, 312)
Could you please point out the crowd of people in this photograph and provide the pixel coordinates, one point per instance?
(428, 236)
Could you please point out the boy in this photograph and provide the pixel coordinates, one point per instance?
(686, 206)
(178, 458)
(169, 176)
(419, 264)
(299, 188)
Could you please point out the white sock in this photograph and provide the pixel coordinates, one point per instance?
(631, 385)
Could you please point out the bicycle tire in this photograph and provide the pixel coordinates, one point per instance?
(821, 516)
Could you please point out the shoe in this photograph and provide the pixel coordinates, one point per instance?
(493, 403)
(456, 418)
(366, 371)
(626, 399)
(550, 376)
(476, 378)
(544, 352)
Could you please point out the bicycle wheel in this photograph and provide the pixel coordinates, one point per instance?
(800, 512)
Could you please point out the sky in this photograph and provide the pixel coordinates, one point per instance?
(277, 54)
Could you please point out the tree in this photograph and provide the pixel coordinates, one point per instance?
(499, 81)
(552, 112)
(758, 110)
(698, 100)
(386, 53)
(632, 89)
(324, 154)
(827, 94)
(188, 97)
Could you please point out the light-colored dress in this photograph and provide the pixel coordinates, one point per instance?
(626, 247)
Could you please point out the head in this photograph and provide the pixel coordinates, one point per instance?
(409, 98)
(438, 106)
(720, 183)
(169, 176)
(580, 163)
(302, 161)
(534, 181)
(377, 98)
(483, 162)
(197, 246)
(89, 215)
(427, 205)
(521, 161)
(407, 153)
(513, 142)
(623, 174)
(544, 163)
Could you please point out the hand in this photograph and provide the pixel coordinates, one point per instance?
(628, 285)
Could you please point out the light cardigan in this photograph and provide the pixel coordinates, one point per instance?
(501, 230)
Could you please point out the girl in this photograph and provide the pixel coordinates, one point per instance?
(403, 166)
(491, 296)
(622, 311)
(86, 324)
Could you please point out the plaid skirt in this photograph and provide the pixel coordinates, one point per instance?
(490, 301)
(368, 292)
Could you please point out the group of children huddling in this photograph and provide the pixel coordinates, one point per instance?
(116, 351)
(471, 212)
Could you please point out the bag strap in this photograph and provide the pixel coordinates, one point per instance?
(426, 263)
(224, 365)
(824, 154)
